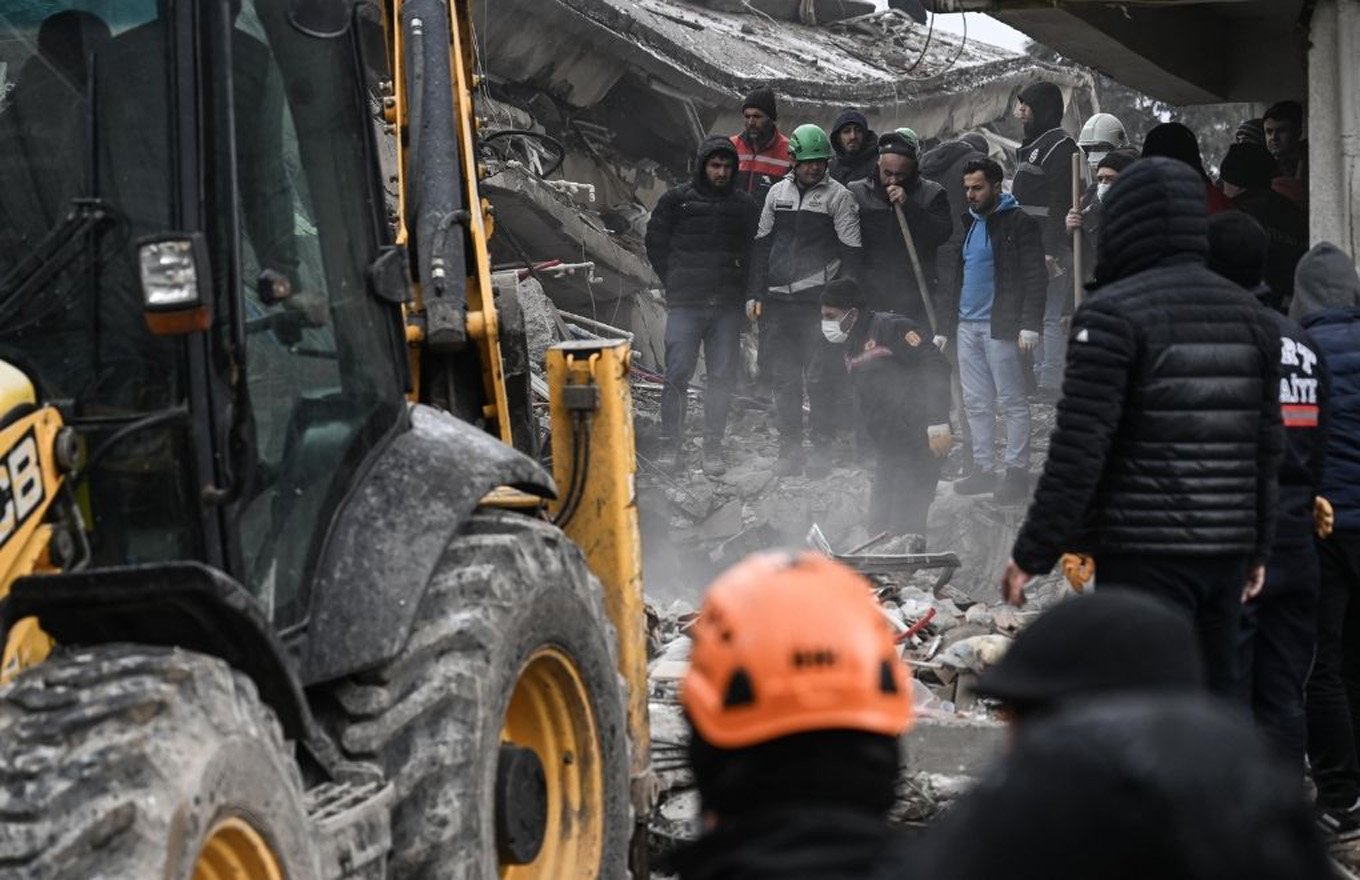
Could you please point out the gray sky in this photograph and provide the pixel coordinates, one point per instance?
(984, 28)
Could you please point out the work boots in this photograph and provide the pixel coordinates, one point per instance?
(1013, 488)
(977, 483)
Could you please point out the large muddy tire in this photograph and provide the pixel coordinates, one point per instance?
(134, 763)
(511, 644)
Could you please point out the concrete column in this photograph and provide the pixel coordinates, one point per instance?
(1334, 124)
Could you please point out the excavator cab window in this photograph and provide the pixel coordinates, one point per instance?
(320, 363)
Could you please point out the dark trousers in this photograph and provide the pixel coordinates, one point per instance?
(718, 330)
(1279, 634)
(1207, 588)
(904, 485)
(1333, 694)
(799, 356)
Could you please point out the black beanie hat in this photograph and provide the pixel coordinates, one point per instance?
(763, 100)
(896, 144)
(848, 768)
(1113, 641)
(1117, 159)
(1251, 131)
(1237, 248)
(1174, 141)
(977, 142)
(843, 293)
(1249, 166)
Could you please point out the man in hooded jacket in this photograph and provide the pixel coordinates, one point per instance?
(1165, 457)
(1279, 627)
(1245, 174)
(856, 147)
(1043, 186)
(699, 243)
(1327, 304)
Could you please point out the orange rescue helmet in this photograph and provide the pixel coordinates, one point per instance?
(790, 643)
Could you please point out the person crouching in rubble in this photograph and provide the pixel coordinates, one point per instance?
(699, 243)
(808, 236)
(795, 698)
(901, 384)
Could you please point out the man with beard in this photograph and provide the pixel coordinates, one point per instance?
(887, 277)
(856, 147)
(699, 243)
(1043, 186)
(762, 149)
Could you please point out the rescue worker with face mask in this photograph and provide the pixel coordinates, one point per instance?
(901, 383)
(795, 697)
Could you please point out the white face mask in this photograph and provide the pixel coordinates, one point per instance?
(833, 332)
(1102, 189)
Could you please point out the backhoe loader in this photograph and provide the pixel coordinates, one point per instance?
(285, 590)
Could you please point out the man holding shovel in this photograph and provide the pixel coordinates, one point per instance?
(888, 275)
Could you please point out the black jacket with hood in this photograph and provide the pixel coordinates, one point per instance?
(1168, 438)
(699, 239)
(886, 274)
(944, 165)
(847, 168)
(900, 378)
(1043, 177)
(807, 841)
(1327, 304)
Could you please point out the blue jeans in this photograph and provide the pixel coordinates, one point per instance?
(993, 377)
(718, 330)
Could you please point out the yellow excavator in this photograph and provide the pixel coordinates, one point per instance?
(284, 589)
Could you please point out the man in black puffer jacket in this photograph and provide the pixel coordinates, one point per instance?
(1167, 449)
(699, 242)
(1279, 627)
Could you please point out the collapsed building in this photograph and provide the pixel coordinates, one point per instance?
(595, 107)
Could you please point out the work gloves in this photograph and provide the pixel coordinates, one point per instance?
(753, 309)
(1079, 569)
(940, 342)
(941, 440)
(1028, 340)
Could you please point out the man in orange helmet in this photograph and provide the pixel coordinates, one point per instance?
(796, 697)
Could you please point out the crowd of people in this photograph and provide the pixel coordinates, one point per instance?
(1203, 471)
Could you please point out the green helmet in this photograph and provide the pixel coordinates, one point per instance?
(911, 138)
(809, 143)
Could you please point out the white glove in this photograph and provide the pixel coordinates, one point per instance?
(752, 309)
(1028, 340)
(940, 342)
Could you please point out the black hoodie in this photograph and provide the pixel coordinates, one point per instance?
(846, 167)
(1168, 438)
(1043, 177)
(699, 238)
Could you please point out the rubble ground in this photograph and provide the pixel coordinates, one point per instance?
(950, 619)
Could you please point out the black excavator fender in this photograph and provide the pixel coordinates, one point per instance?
(391, 531)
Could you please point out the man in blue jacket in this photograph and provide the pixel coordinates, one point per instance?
(1327, 303)
(992, 290)
(1279, 626)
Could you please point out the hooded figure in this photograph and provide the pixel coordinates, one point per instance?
(1127, 788)
(848, 167)
(1246, 174)
(699, 243)
(1327, 303)
(1168, 439)
(944, 165)
(1174, 141)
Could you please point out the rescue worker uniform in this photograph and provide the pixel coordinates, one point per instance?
(806, 238)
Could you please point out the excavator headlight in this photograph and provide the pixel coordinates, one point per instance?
(175, 278)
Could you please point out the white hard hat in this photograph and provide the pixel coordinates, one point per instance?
(1103, 131)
